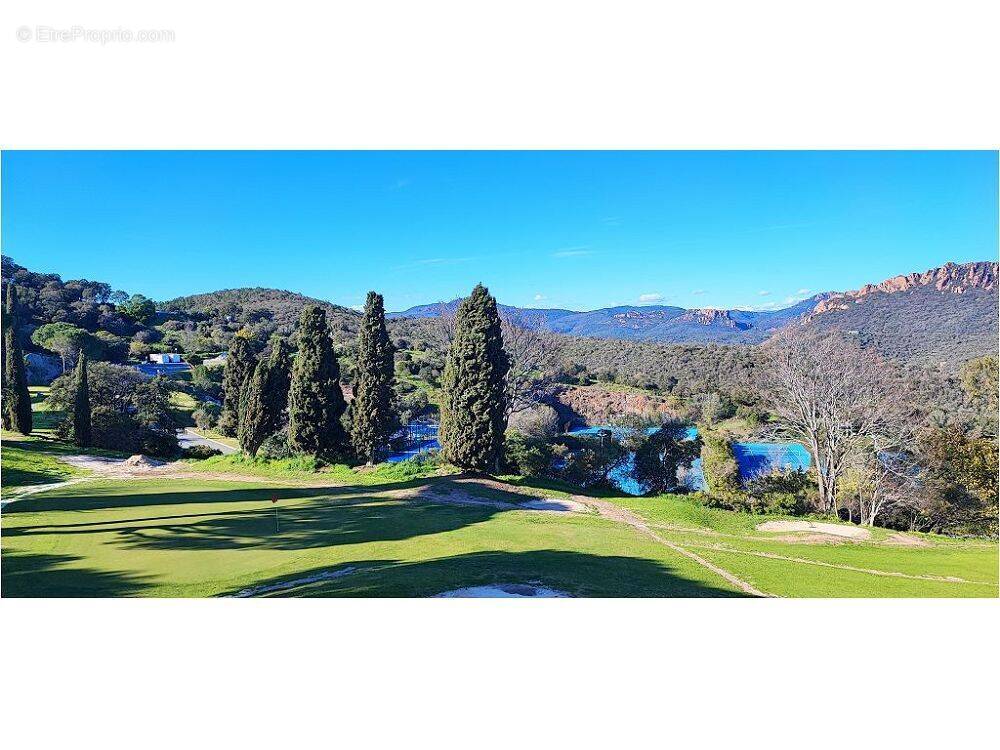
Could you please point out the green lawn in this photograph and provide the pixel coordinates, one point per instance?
(387, 532)
(31, 462)
(192, 538)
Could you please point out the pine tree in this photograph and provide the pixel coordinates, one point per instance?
(371, 410)
(473, 409)
(265, 399)
(81, 405)
(238, 371)
(315, 401)
(16, 409)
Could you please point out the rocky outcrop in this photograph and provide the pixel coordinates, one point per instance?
(711, 317)
(951, 277)
(595, 405)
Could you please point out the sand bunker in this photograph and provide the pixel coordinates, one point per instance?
(326, 575)
(556, 504)
(815, 527)
(504, 591)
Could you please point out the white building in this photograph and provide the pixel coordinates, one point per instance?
(166, 359)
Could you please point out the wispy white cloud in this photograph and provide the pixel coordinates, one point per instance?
(540, 297)
(803, 292)
(763, 293)
(698, 292)
(650, 297)
(765, 306)
(611, 221)
(400, 183)
(572, 252)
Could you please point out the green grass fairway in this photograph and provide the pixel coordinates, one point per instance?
(392, 532)
(193, 538)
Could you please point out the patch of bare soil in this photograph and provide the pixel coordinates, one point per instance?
(117, 467)
(504, 591)
(139, 462)
(453, 492)
(144, 467)
(816, 527)
(803, 539)
(905, 540)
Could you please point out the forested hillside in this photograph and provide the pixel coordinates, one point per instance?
(921, 325)
(263, 311)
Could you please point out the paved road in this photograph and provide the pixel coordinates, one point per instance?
(187, 438)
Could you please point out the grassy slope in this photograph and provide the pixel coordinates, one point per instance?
(731, 541)
(27, 462)
(193, 538)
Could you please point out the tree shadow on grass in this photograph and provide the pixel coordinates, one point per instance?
(42, 575)
(575, 573)
(308, 519)
(111, 497)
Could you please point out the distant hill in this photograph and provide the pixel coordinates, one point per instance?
(946, 314)
(659, 323)
(276, 308)
(942, 316)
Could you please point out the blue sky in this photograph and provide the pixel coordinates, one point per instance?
(579, 230)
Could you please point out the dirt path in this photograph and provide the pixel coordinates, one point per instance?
(616, 513)
(20, 494)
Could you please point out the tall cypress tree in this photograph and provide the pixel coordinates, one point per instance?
(371, 411)
(7, 321)
(315, 401)
(16, 409)
(239, 368)
(81, 405)
(265, 399)
(473, 408)
(278, 382)
(253, 411)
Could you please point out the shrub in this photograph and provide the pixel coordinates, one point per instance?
(276, 447)
(530, 458)
(206, 416)
(722, 474)
(750, 415)
(712, 407)
(784, 503)
(541, 421)
(200, 452)
(589, 461)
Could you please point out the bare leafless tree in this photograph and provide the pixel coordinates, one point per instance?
(883, 477)
(533, 353)
(444, 315)
(839, 400)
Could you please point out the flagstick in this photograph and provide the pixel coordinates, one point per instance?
(275, 519)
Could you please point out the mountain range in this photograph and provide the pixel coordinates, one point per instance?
(945, 315)
(946, 311)
(645, 322)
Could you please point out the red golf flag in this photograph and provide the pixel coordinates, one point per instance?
(274, 499)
